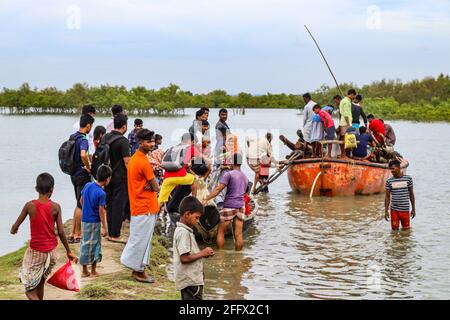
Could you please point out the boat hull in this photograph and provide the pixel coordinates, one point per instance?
(338, 177)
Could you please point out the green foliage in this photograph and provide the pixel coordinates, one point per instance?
(424, 100)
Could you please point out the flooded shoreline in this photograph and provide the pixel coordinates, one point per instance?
(298, 248)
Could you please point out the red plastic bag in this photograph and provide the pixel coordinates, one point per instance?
(248, 208)
(65, 278)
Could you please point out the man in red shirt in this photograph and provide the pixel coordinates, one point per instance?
(376, 126)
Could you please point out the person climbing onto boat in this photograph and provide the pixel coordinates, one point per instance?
(399, 195)
(236, 183)
(181, 174)
(345, 110)
(308, 115)
(358, 112)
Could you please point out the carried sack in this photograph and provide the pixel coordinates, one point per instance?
(65, 278)
(66, 154)
(173, 159)
(350, 141)
(101, 155)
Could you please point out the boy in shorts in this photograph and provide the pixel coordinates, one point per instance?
(399, 193)
(40, 256)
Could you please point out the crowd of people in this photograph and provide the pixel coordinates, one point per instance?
(119, 180)
(372, 140)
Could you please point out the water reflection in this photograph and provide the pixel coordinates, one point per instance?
(224, 272)
(299, 248)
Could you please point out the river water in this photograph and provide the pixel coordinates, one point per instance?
(298, 248)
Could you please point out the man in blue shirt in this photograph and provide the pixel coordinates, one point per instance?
(363, 141)
(83, 174)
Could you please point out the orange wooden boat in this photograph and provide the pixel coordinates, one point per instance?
(339, 177)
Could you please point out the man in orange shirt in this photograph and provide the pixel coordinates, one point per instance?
(144, 207)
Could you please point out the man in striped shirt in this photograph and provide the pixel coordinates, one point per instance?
(399, 193)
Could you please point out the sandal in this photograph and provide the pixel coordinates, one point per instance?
(147, 279)
(70, 240)
(117, 240)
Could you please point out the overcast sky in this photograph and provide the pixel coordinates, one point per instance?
(254, 46)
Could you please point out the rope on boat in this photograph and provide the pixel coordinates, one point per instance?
(314, 184)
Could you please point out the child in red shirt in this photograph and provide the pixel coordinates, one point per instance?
(39, 258)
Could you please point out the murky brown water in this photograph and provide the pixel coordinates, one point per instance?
(324, 248)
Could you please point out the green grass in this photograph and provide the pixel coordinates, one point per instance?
(9, 266)
(117, 286)
(10, 288)
(121, 286)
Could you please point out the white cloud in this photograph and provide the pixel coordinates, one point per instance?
(254, 20)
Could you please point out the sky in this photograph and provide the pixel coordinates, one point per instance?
(254, 46)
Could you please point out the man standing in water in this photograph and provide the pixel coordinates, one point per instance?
(233, 206)
(308, 114)
(399, 193)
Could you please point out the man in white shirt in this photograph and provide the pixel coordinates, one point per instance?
(90, 110)
(308, 114)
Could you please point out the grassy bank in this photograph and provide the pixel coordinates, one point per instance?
(114, 283)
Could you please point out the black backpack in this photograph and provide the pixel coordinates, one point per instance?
(101, 154)
(66, 155)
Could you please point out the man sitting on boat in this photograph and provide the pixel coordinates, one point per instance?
(364, 140)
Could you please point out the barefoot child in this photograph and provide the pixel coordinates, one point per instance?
(40, 256)
(93, 199)
(187, 257)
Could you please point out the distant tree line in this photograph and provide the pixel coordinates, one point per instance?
(427, 99)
